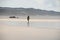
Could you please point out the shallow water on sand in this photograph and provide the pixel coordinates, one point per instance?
(34, 30)
(33, 23)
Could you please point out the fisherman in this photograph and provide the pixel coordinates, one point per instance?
(28, 18)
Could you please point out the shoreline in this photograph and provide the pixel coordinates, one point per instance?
(33, 20)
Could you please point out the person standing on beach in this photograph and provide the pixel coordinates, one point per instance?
(28, 18)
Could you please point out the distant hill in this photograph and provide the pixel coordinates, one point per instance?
(26, 11)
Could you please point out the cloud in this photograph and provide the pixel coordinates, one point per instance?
(18, 3)
(49, 4)
(53, 5)
(40, 4)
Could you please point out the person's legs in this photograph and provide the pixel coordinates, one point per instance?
(28, 20)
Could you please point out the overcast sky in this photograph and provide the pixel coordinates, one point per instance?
(38, 4)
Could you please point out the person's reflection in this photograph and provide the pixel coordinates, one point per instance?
(28, 18)
(28, 24)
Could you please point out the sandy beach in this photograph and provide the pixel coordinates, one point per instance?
(12, 32)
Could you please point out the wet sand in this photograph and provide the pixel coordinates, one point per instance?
(27, 33)
(33, 20)
(9, 32)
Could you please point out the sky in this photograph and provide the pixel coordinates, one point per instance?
(38, 4)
